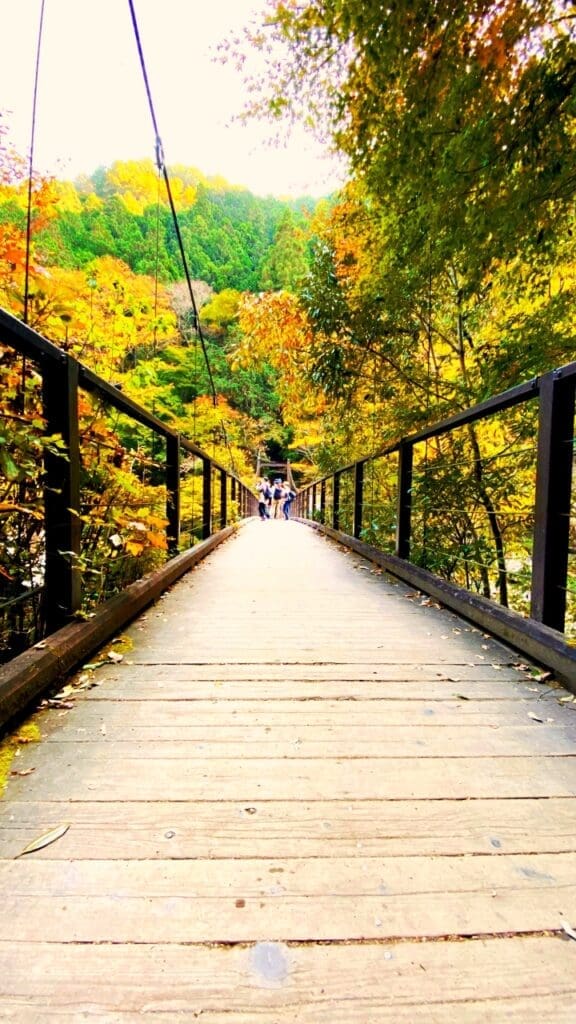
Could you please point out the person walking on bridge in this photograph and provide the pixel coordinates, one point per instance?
(264, 497)
(289, 496)
(278, 496)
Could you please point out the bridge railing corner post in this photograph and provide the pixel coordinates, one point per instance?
(206, 498)
(173, 492)
(358, 499)
(553, 499)
(404, 500)
(63, 581)
(336, 502)
(223, 498)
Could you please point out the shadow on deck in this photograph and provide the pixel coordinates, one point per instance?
(305, 793)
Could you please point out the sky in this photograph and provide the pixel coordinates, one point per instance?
(92, 107)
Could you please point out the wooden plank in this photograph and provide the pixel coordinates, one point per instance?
(330, 650)
(244, 740)
(333, 918)
(255, 877)
(312, 714)
(291, 828)
(240, 901)
(259, 686)
(302, 779)
(306, 712)
(317, 672)
(529, 980)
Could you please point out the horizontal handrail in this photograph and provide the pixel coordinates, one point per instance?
(62, 378)
(34, 346)
(497, 403)
(555, 393)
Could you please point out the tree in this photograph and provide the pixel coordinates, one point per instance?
(459, 112)
(286, 263)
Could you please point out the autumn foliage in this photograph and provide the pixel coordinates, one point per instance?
(444, 272)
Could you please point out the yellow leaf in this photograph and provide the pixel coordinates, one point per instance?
(133, 548)
(157, 540)
(45, 840)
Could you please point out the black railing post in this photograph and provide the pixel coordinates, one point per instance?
(206, 498)
(323, 501)
(336, 503)
(313, 508)
(358, 498)
(173, 492)
(232, 488)
(552, 506)
(223, 501)
(404, 502)
(63, 582)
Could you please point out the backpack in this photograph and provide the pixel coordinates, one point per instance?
(267, 492)
(278, 492)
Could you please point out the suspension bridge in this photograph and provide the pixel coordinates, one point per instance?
(290, 776)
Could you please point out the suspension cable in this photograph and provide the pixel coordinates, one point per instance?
(156, 264)
(31, 167)
(161, 164)
(22, 399)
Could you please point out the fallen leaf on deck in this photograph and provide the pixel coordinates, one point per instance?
(66, 691)
(461, 696)
(88, 685)
(45, 840)
(112, 656)
(25, 771)
(534, 717)
(569, 931)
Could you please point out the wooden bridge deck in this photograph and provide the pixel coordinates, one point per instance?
(305, 795)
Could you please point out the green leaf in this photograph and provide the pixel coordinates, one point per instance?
(8, 466)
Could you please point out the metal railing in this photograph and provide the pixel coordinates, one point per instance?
(223, 498)
(397, 501)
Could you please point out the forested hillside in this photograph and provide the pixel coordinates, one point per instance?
(123, 212)
(104, 281)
